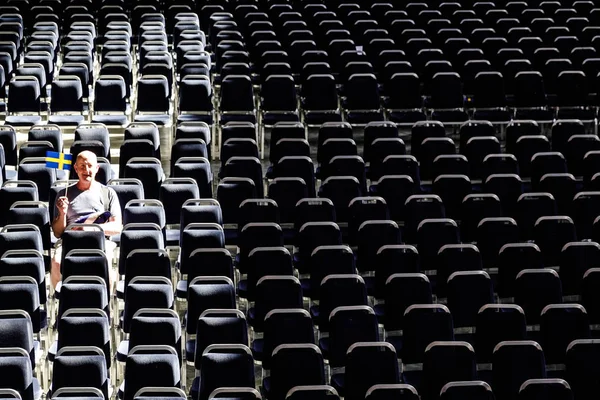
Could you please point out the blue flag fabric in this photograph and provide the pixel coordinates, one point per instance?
(58, 160)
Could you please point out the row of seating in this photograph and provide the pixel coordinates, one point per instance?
(320, 94)
(287, 204)
(395, 197)
(423, 326)
(78, 70)
(320, 253)
(371, 367)
(476, 140)
(384, 152)
(347, 325)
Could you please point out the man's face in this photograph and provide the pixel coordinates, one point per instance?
(86, 168)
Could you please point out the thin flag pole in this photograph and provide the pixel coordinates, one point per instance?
(68, 175)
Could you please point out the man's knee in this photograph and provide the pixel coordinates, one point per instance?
(55, 265)
(109, 249)
(55, 271)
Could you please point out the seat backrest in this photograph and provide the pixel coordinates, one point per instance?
(320, 392)
(236, 93)
(219, 326)
(424, 324)
(174, 192)
(401, 291)
(81, 71)
(513, 363)
(447, 362)
(17, 331)
(146, 292)
(22, 293)
(225, 366)
(149, 171)
(546, 388)
(127, 189)
(294, 364)
(164, 325)
(110, 94)
(20, 237)
(8, 140)
(195, 93)
(85, 327)
(245, 167)
(581, 366)
(29, 263)
(16, 372)
(350, 325)
(206, 293)
(138, 261)
(153, 94)
(230, 194)
(69, 87)
(369, 364)
(320, 93)
(279, 93)
(465, 305)
(560, 324)
(337, 291)
(275, 292)
(188, 148)
(198, 235)
(461, 390)
(25, 95)
(151, 365)
(31, 212)
(144, 130)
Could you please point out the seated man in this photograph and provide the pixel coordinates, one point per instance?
(84, 203)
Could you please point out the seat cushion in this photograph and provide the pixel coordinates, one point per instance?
(23, 120)
(119, 120)
(63, 120)
(158, 119)
(208, 118)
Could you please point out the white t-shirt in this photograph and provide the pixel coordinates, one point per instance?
(91, 201)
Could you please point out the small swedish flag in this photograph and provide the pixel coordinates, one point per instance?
(58, 160)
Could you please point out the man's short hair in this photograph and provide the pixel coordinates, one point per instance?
(87, 154)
